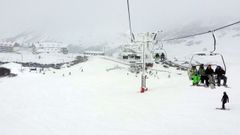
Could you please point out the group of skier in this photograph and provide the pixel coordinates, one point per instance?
(159, 57)
(207, 76)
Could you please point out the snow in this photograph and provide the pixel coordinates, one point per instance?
(42, 58)
(94, 101)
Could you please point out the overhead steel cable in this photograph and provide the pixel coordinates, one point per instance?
(226, 26)
(182, 37)
(202, 33)
(130, 23)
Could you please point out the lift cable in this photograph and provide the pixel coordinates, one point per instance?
(202, 33)
(130, 23)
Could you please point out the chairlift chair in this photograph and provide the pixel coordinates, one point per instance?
(158, 51)
(210, 54)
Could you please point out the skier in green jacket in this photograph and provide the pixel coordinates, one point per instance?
(196, 79)
(192, 72)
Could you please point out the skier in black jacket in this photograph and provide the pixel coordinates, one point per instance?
(220, 75)
(224, 100)
(162, 57)
(201, 72)
(209, 75)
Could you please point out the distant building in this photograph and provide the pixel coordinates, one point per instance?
(6, 46)
(16, 47)
(49, 47)
(35, 48)
(64, 50)
(94, 53)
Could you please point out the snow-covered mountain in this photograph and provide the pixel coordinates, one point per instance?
(30, 37)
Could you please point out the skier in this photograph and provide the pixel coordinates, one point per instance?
(224, 100)
(196, 79)
(220, 75)
(192, 72)
(162, 57)
(209, 74)
(201, 72)
(157, 57)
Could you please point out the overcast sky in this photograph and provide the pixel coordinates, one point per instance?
(105, 20)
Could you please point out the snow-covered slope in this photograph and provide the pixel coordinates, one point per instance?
(91, 99)
(42, 58)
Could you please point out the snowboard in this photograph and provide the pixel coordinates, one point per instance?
(226, 109)
(226, 86)
(211, 82)
(212, 86)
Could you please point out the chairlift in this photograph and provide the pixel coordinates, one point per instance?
(159, 54)
(148, 57)
(210, 54)
(130, 52)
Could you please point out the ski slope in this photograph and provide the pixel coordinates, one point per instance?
(102, 97)
(43, 58)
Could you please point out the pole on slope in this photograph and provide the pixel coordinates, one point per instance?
(144, 77)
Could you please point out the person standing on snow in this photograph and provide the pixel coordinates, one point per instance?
(224, 100)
